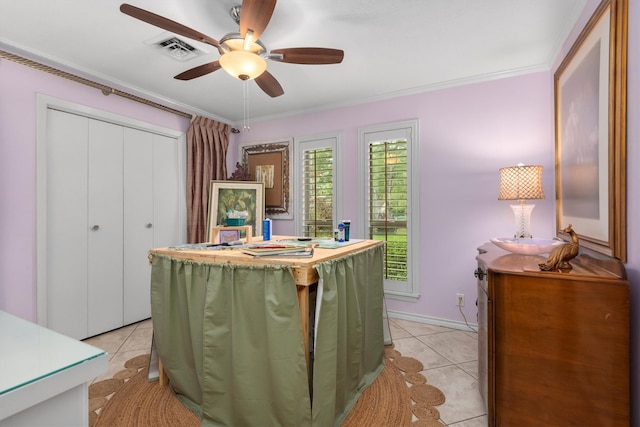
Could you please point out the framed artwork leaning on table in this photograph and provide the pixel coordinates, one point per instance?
(227, 236)
(238, 196)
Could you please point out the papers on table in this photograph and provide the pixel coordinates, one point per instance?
(279, 250)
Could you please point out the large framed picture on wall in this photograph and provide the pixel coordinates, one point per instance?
(590, 113)
(270, 163)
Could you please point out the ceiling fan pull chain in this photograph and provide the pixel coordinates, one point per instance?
(245, 93)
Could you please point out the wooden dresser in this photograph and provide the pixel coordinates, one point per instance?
(553, 347)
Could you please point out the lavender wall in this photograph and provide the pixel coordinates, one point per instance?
(18, 88)
(633, 199)
(466, 134)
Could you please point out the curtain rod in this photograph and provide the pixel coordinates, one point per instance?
(106, 90)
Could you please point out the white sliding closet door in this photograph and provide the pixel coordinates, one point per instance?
(112, 193)
(166, 191)
(105, 174)
(151, 212)
(139, 223)
(66, 204)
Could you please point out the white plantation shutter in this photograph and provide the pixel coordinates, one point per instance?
(317, 185)
(317, 192)
(387, 209)
(389, 157)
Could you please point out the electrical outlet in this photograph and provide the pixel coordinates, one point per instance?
(460, 300)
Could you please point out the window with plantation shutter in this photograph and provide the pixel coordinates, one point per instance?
(317, 192)
(389, 158)
(388, 203)
(316, 186)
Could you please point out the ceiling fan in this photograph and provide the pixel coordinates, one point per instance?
(241, 54)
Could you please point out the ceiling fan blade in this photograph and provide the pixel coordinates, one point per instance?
(309, 55)
(199, 71)
(166, 24)
(269, 84)
(255, 16)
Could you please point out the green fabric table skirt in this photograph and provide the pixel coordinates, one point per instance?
(230, 339)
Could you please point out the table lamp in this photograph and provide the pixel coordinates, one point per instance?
(521, 183)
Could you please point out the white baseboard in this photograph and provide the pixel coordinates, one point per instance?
(453, 324)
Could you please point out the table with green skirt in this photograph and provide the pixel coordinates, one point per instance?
(229, 331)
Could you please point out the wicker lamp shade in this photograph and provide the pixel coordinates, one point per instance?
(521, 183)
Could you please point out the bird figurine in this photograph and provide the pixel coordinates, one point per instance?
(559, 257)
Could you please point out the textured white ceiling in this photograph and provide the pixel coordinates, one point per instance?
(391, 47)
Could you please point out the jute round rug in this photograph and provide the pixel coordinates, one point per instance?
(400, 396)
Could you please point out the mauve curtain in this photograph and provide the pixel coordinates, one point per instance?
(207, 143)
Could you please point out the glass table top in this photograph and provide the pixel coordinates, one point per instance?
(29, 352)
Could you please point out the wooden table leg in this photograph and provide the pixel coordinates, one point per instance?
(303, 303)
(162, 376)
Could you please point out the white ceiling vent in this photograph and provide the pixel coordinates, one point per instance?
(176, 48)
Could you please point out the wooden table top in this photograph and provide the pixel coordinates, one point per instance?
(588, 263)
(303, 268)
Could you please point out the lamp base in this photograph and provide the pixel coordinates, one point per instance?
(522, 214)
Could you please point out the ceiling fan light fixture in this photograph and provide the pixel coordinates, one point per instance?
(248, 40)
(234, 41)
(242, 64)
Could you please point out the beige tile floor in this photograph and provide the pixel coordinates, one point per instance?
(449, 356)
